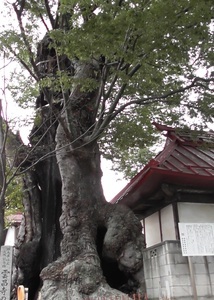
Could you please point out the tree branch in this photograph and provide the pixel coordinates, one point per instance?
(24, 37)
(28, 154)
(24, 64)
(111, 115)
(107, 119)
(50, 16)
(107, 95)
(195, 83)
(45, 24)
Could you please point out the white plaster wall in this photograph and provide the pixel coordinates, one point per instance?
(152, 230)
(196, 212)
(10, 237)
(167, 223)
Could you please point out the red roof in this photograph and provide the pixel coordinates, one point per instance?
(15, 218)
(186, 160)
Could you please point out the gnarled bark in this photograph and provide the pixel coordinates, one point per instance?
(38, 242)
(101, 249)
(94, 232)
(95, 249)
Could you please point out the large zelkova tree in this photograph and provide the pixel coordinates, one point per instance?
(102, 71)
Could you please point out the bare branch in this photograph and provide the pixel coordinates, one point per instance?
(7, 64)
(50, 16)
(43, 21)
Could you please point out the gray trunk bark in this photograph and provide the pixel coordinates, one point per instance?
(100, 253)
(85, 216)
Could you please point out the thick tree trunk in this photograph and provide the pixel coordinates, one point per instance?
(101, 244)
(28, 246)
(38, 242)
(100, 252)
(95, 233)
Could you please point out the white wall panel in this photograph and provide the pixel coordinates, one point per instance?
(167, 223)
(152, 230)
(196, 212)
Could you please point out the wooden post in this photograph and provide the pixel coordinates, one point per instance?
(192, 278)
(6, 257)
(21, 292)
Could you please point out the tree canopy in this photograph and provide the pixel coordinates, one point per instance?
(150, 53)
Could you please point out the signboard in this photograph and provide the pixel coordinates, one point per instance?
(5, 271)
(197, 239)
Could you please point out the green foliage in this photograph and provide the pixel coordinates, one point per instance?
(38, 120)
(152, 50)
(23, 89)
(126, 150)
(129, 141)
(13, 197)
